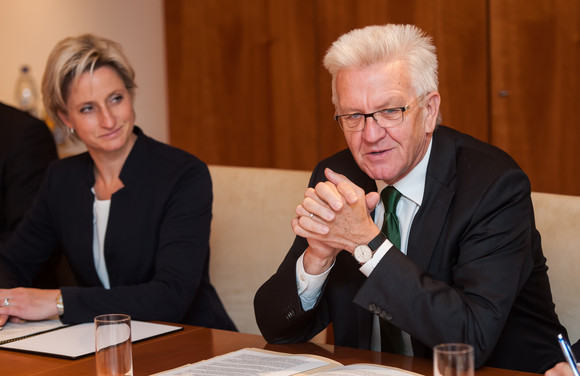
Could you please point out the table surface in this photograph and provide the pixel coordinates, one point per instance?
(193, 344)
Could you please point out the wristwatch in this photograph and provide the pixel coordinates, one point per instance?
(60, 305)
(364, 252)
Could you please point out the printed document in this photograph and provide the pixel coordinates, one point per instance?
(252, 362)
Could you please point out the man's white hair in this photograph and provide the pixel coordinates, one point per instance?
(364, 47)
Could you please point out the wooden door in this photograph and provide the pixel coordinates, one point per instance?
(535, 86)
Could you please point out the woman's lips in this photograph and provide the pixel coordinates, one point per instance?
(111, 134)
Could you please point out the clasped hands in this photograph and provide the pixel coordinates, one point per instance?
(333, 216)
(27, 304)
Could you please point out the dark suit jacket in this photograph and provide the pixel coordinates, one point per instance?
(474, 270)
(156, 245)
(26, 150)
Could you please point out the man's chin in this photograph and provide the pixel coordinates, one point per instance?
(374, 172)
(378, 172)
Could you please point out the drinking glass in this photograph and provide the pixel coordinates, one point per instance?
(453, 359)
(113, 345)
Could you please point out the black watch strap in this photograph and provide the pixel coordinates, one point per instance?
(377, 241)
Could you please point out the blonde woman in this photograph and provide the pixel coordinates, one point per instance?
(131, 214)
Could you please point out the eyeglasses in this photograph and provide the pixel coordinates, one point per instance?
(386, 118)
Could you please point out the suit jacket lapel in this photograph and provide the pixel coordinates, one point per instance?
(430, 218)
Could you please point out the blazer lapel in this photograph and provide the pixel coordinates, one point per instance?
(430, 218)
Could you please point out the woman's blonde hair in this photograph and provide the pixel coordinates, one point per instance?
(72, 57)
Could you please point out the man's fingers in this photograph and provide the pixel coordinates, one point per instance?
(372, 199)
(312, 206)
(335, 177)
(308, 227)
(350, 191)
(328, 195)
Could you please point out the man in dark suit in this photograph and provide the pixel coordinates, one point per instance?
(26, 150)
(458, 258)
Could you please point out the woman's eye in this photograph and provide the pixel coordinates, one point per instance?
(86, 109)
(117, 98)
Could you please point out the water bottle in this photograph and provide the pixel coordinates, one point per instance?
(26, 94)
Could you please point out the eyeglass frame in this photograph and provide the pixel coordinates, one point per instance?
(372, 114)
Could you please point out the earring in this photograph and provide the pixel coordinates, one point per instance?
(71, 131)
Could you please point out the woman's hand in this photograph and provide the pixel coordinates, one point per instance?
(27, 304)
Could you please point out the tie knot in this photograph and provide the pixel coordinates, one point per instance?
(390, 197)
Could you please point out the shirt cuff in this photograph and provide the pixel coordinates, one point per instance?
(309, 286)
(370, 265)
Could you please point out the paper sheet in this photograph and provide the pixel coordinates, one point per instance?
(12, 331)
(248, 362)
(251, 362)
(79, 340)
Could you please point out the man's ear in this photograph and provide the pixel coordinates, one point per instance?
(432, 102)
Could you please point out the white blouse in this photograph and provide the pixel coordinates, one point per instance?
(100, 219)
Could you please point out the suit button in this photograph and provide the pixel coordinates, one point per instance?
(290, 312)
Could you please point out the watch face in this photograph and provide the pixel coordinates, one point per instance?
(363, 253)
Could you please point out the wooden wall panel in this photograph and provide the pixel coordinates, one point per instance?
(461, 35)
(247, 86)
(241, 81)
(535, 86)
